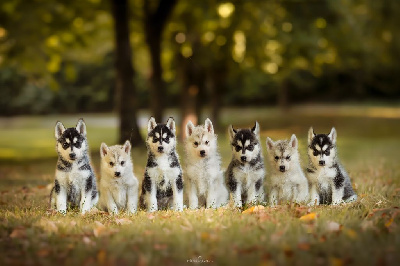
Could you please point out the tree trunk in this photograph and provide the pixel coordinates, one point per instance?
(126, 93)
(155, 21)
(157, 85)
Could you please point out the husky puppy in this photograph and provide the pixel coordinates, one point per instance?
(287, 180)
(246, 172)
(163, 174)
(330, 184)
(203, 167)
(118, 184)
(75, 181)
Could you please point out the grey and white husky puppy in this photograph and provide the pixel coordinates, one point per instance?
(75, 181)
(163, 175)
(246, 172)
(287, 181)
(330, 184)
(118, 184)
(204, 178)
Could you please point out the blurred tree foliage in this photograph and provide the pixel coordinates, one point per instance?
(57, 56)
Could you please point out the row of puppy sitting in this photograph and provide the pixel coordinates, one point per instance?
(325, 182)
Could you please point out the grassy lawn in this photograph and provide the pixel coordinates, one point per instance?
(366, 232)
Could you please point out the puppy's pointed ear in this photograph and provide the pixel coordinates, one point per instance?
(256, 129)
(333, 136)
(189, 128)
(81, 127)
(59, 129)
(209, 126)
(311, 135)
(232, 132)
(293, 141)
(151, 124)
(270, 143)
(103, 149)
(171, 124)
(127, 147)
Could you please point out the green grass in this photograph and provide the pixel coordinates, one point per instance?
(362, 233)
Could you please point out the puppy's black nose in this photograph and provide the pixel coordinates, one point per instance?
(282, 168)
(160, 148)
(322, 163)
(72, 156)
(117, 174)
(243, 158)
(202, 153)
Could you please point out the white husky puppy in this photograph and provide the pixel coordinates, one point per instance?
(287, 181)
(204, 177)
(118, 184)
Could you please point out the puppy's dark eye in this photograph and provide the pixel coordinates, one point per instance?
(78, 145)
(111, 164)
(196, 144)
(238, 148)
(276, 158)
(65, 145)
(315, 153)
(155, 140)
(250, 147)
(327, 152)
(122, 163)
(207, 142)
(288, 158)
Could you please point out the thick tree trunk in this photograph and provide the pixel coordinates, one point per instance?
(155, 21)
(157, 85)
(126, 93)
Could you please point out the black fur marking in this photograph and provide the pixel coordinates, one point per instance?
(321, 140)
(309, 170)
(258, 184)
(174, 160)
(161, 129)
(94, 194)
(162, 182)
(146, 185)
(70, 134)
(232, 183)
(339, 178)
(179, 182)
(89, 183)
(85, 167)
(151, 161)
(325, 196)
(348, 191)
(72, 194)
(256, 161)
(64, 165)
(242, 135)
(57, 186)
(164, 193)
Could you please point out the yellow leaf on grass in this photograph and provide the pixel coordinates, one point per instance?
(122, 221)
(257, 208)
(101, 257)
(336, 261)
(308, 217)
(19, 232)
(205, 235)
(350, 233)
(388, 223)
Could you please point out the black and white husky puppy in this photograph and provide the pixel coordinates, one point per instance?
(287, 180)
(118, 184)
(246, 172)
(329, 182)
(163, 174)
(75, 181)
(203, 175)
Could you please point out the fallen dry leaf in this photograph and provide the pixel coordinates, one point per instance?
(350, 233)
(160, 246)
(303, 246)
(47, 225)
(102, 257)
(88, 241)
(100, 229)
(44, 252)
(122, 221)
(388, 223)
(254, 209)
(333, 227)
(151, 216)
(308, 217)
(18, 232)
(336, 261)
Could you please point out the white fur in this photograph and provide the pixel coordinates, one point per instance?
(118, 193)
(203, 174)
(291, 185)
